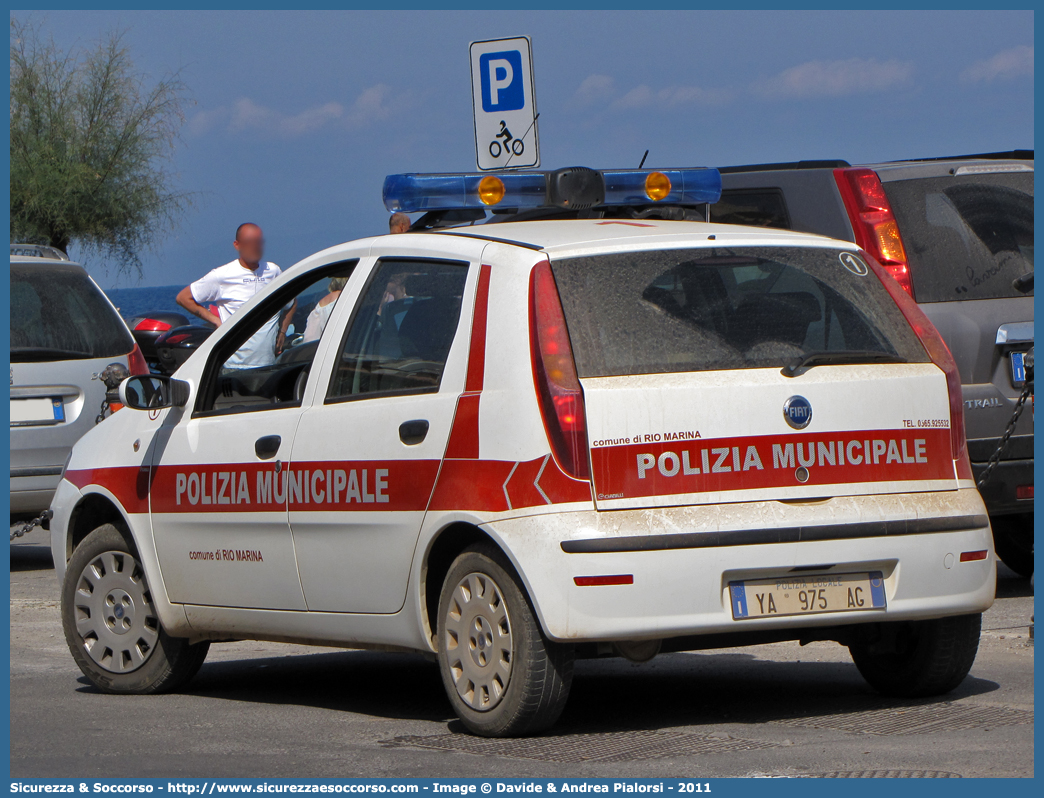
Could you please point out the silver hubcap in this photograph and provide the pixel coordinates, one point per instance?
(478, 642)
(114, 614)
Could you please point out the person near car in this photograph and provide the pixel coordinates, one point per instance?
(320, 315)
(398, 223)
(228, 287)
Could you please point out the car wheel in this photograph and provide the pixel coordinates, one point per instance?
(1013, 541)
(920, 658)
(503, 677)
(111, 625)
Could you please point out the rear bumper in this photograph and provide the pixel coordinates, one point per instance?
(684, 591)
(32, 495)
(999, 493)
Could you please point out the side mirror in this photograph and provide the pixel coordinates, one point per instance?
(153, 392)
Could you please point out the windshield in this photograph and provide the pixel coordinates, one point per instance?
(726, 308)
(58, 313)
(966, 237)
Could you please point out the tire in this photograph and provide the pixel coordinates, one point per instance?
(103, 574)
(493, 144)
(493, 695)
(1013, 541)
(928, 658)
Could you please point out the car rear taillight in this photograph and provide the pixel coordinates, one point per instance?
(136, 362)
(151, 325)
(873, 222)
(554, 372)
(937, 350)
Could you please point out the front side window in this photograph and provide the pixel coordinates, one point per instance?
(265, 361)
(400, 335)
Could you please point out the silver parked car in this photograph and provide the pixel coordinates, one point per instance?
(64, 334)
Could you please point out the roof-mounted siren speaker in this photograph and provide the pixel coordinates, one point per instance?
(576, 187)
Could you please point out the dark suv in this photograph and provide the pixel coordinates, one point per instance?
(957, 234)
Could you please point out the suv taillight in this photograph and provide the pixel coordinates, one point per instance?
(136, 362)
(937, 350)
(554, 373)
(873, 222)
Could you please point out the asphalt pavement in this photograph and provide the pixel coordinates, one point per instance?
(277, 710)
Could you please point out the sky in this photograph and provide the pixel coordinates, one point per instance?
(297, 117)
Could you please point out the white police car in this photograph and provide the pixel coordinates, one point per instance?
(516, 444)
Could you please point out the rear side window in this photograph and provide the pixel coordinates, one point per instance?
(58, 313)
(752, 208)
(725, 308)
(967, 236)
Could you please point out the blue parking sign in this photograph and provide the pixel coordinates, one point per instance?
(504, 104)
(502, 83)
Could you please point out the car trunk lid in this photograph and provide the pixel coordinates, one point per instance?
(739, 373)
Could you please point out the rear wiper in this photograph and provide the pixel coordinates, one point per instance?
(802, 363)
(30, 353)
(1023, 284)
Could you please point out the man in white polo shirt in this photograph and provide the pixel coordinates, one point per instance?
(228, 287)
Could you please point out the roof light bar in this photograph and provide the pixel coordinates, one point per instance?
(574, 187)
(639, 186)
(411, 193)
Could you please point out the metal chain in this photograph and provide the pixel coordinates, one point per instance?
(984, 477)
(104, 413)
(28, 525)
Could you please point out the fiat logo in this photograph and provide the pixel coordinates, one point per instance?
(797, 411)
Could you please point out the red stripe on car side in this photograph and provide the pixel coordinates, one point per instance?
(477, 350)
(464, 434)
(489, 485)
(129, 484)
(368, 486)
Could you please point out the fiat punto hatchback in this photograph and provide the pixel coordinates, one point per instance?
(512, 445)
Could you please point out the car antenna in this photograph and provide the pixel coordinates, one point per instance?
(643, 159)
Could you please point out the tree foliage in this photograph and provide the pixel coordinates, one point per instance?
(92, 140)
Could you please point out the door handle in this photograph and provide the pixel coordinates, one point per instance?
(265, 448)
(412, 432)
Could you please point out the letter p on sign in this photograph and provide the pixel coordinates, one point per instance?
(502, 88)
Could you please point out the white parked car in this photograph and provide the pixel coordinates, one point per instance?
(516, 444)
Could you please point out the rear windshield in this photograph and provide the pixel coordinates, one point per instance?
(727, 308)
(58, 313)
(967, 236)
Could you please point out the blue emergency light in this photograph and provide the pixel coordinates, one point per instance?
(573, 188)
(411, 193)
